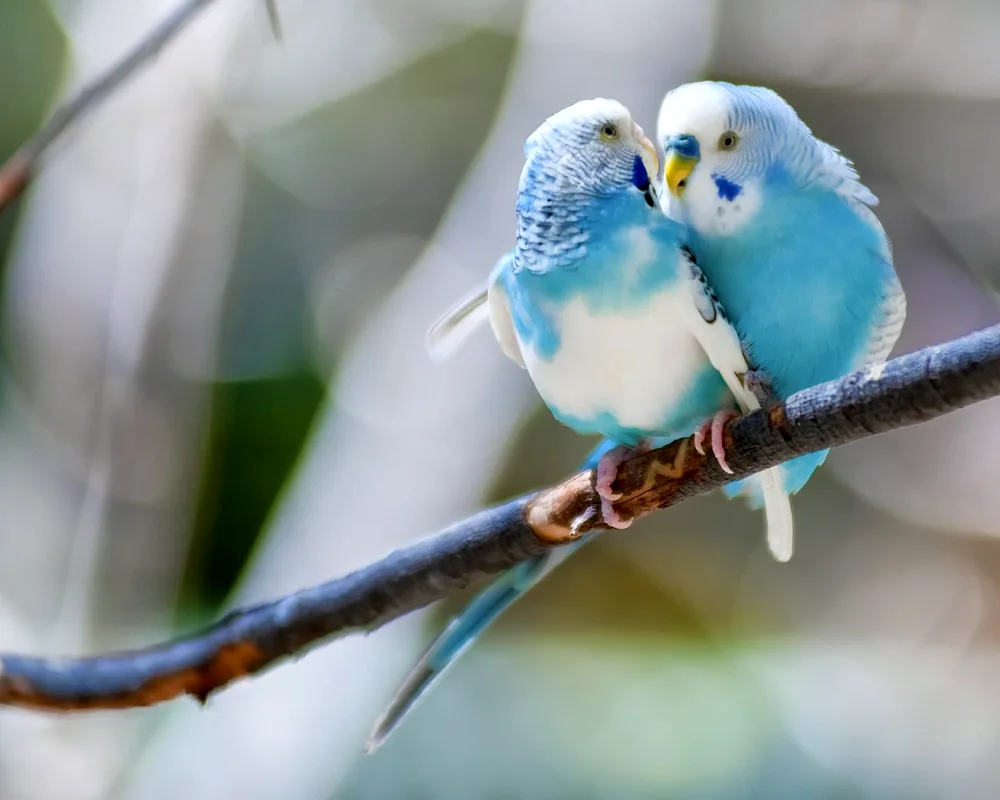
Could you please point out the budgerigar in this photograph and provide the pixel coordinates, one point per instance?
(602, 302)
(784, 231)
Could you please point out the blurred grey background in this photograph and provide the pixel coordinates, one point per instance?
(213, 307)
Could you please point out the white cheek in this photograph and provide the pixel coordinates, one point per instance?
(709, 212)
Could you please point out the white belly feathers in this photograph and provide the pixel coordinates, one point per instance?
(633, 364)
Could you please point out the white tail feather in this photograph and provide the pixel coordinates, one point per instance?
(451, 331)
(777, 503)
(778, 511)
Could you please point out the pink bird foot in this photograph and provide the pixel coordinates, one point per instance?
(715, 426)
(607, 472)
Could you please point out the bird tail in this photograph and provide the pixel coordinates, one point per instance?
(513, 584)
(463, 630)
(794, 475)
(759, 490)
(475, 618)
(451, 331)
(770, 489)
(778, 511)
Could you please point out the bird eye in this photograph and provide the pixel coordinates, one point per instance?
(728, 141)
(609, 132)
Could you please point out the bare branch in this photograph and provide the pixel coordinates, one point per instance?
(906, 391)
(274, 20)
(16, 173)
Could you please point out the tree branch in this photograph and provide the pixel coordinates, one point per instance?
(906, 391)
(16, 173)
(274, 19)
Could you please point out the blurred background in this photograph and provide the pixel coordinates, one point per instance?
(213, 306)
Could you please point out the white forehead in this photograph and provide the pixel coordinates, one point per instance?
(587, 111)
(576, 117)
(694, 108)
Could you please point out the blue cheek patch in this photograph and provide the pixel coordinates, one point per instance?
(727, 189)
(639, 175)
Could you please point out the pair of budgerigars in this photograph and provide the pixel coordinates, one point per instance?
(613, 295)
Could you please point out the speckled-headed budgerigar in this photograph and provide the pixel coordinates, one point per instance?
(783, 229)
(602, 302)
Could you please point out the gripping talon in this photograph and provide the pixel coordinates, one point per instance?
(718, 448)
(607, 472)
(715, 426)
(611, 517)
(699, 437)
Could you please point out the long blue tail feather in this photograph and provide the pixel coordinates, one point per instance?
(462, 631)
(470, 623)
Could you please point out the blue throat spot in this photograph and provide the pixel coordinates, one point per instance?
(639, 175)
(727, 189)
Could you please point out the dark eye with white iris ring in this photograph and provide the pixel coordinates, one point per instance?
(728, 141)
(609, 132)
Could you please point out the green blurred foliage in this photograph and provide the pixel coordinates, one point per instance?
(294, 225)
(257, 431)
(33, 49)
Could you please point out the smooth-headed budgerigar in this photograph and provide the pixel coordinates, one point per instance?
(602, 302)
(784, 231)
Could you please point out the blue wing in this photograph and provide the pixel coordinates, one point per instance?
(888, 316)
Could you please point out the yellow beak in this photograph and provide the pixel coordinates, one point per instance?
(677, 170)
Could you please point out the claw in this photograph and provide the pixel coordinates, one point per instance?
(607, 472)
(611, 517)
(699, 436)
(715, 426)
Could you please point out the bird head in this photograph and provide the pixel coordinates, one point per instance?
(593, 147)
(723, 142)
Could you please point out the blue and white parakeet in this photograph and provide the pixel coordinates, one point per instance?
(602, 302)
(784, 231)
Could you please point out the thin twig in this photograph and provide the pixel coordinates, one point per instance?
(16, 173)
(906, 391)
(273, 19)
